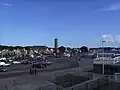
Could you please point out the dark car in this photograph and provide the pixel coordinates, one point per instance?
(38, 65)
(46, 62)
(25, 62)
(3, 70)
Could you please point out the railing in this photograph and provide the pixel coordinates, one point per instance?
(94, 84)
(87, 85)
(49, 87)
(57, 86)
(117, 77)
(90, 85)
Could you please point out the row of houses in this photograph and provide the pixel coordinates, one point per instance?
(31, 50)
(6, 52)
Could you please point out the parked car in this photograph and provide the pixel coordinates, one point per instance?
(46, 62)
(4, 64)
(25, 62)
(38, 65)
(3, 58)
(3, 70)
(16, 62)
(10, 60)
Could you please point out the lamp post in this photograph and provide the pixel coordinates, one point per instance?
(103, 57)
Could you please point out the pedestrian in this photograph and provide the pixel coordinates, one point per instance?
(30, 71)
(35, 71)
(83, 55)
(40, 88)
(76, 58)
(6, 87)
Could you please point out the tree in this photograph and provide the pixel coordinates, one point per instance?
(68, 48)
(62, 49)
(18, 47)
(84, 49)
(27, 48)
(72, 51)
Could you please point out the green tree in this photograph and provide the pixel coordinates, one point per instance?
(84, 49)
(62, 49)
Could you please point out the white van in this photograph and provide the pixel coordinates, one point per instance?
(4, 64)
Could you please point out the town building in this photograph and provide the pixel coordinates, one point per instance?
(110, 61)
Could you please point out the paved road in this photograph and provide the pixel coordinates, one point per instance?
(41, 79)
(58, 64)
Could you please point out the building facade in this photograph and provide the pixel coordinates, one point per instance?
(111, 64)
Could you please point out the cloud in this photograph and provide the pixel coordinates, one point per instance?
(7, 4)
(117, 38)
(112, 7)
(110, 38)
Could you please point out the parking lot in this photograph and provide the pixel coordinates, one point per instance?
(20, 72)
(57, 64)
(42, 78)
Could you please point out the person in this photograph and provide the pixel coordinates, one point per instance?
(76, 58)
(6, 87)
(30, 71)
(40, 88)
(35, 71)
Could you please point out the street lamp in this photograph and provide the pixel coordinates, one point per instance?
(103, 57)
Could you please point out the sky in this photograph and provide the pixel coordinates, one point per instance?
(74, 22)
